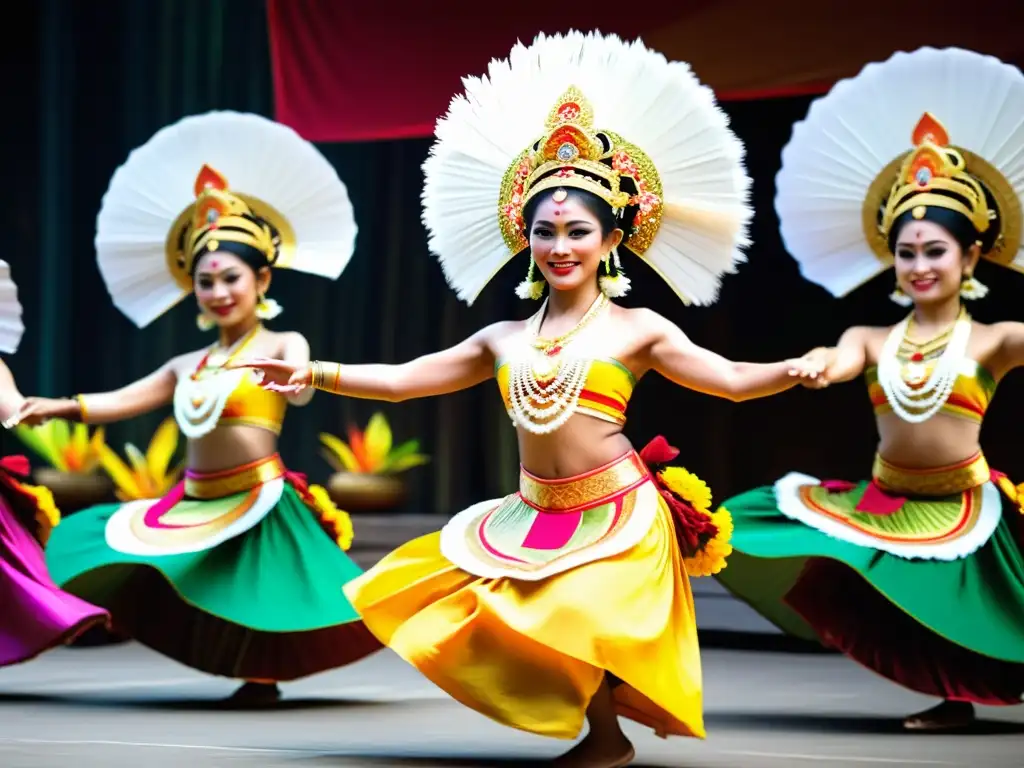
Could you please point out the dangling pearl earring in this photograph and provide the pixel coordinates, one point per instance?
(899, 297)
(531, 287)
(613, 282)
(268, 309)
(204, 322)
(971, 288)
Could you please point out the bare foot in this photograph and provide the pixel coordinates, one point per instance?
(947, 715)
(254, 695)
(593, 752)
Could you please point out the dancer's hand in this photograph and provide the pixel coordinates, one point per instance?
(10, 404)
(37, 410)
(810, 369)
(278, 375)
(822, 357)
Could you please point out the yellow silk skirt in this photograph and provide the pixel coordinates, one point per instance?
(519, 607)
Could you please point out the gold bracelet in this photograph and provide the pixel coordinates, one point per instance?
(319, 378)
(83, 410)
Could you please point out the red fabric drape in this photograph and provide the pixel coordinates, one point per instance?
(353, 71)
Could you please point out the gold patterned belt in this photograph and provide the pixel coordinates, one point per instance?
(217, 485)
(937, 481)
(598, 486)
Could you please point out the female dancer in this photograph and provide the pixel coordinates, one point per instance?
(238, 570)
(570, 598)
(37, 615)
(918, 574)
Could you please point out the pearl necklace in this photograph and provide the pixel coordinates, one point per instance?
(914, 394)
(199, 398)
(545, 384)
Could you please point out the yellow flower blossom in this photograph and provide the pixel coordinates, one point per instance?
(149, 475)
(688, 487)
(337, 519)
(711, 559)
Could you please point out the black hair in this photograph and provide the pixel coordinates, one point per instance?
(960, 227)
(600, 209)
(253, 258)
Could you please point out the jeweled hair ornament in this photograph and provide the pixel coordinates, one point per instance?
(931, 128)
(212, 179)
(592, 112)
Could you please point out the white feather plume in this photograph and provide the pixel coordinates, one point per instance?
(658, 105)
(259, 157)
(865, 122)
(11, 326)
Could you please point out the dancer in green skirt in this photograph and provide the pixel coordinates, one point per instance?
(917, 573)
(239, 570)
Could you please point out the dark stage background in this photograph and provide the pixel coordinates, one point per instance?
(87, 82)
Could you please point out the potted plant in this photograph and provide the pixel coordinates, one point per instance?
(146, 475)
(74, 458)
(367, 467)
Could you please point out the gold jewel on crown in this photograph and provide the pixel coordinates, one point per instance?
(934, 174)
(220, 214)
(572, 153)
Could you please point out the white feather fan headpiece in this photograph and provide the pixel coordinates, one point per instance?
(928, 128)
(597, 113)
(11, 326)
(255, 179)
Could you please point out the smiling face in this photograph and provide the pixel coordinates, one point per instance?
(227, 288)
(930, 264)
(567, 241)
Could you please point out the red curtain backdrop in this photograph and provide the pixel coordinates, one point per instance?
(351, 71)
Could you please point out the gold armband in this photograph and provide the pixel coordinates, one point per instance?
(83, 409)
(326, 381)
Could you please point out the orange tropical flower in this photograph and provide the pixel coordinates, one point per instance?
(371, 451)
(66, 446)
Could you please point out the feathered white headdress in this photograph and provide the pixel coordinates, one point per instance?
(594, 112)
(919, 129)
(220, 167)
(11, 326)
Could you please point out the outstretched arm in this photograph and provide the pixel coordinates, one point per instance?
(460, 367)
(296, 351)
(142, 396)
(672, 354)
(1010, 351)
(10, 398)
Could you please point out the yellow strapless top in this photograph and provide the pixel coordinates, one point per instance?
(252, 405)
(973, 390)
(605, 394)
(226, 398)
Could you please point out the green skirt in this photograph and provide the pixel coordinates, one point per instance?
(924, 589)
(246, 585)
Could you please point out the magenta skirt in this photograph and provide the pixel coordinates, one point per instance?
(35, 615)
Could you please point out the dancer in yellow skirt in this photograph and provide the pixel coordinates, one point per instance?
(570, 598)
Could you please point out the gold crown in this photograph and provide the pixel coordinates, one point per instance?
(934, 174)
(221, 215)
(572, 153)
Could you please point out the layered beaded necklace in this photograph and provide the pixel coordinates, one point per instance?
(200, 397)
(918, 378)
(545, 383)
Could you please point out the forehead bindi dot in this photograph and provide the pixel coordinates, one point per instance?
(214, 264)
(558, 211)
